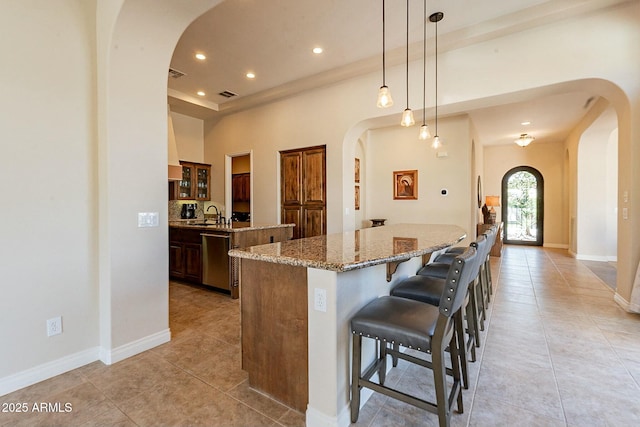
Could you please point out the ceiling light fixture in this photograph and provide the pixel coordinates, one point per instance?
(424, 129)
(250, 75)
(527, 123)
(407, 115)
(317, 50)
(384, 95)
(524, 140)
(201, 93)
(436, 17)
(201, 56)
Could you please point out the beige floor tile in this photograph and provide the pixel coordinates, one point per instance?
(557, 350)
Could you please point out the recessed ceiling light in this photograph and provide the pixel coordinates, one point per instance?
(201, 93)
(201, 56)
(317, 50)
(525, 123)
(250, 75)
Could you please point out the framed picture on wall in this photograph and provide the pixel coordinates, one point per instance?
(405, 185)
(357, 170)
(357, 198)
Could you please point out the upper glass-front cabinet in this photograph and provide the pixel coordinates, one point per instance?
(195, 182)
(202, 182)
(184, 186)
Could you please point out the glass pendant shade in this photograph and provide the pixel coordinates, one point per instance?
(407, 118)
(436, 142)
(384, 97)
(424, 133)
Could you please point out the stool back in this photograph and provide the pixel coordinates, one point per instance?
(483, 246)
(461, 273)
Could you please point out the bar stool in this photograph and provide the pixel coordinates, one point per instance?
(438, 269)
(428, 289)
(423, 327)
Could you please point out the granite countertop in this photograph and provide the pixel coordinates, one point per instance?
(357, 249)
(233, 227)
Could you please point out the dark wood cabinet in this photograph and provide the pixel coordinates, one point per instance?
(304, 190)
(185, 255)
(195, 183)
(241, 187)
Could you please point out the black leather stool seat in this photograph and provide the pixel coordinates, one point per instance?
(398, 321)
(436, 269)
(447, 257)
(421, 288)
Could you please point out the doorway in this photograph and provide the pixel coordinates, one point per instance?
(238, 186)
(523, 206)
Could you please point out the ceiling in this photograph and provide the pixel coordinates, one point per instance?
(274, 40)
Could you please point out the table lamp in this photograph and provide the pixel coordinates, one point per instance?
(491, 202)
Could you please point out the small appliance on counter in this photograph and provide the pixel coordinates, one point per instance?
(188, 211)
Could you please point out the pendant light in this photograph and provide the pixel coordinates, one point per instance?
(384, 95)
(424, 129)
(436, 17)
(407, 115)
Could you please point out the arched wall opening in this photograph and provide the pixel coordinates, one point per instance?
(597, 204)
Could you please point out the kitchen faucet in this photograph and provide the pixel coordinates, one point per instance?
(217, 212)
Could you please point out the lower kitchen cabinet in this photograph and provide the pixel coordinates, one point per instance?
(185, 255)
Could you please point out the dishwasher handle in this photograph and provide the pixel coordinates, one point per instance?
(223, 236)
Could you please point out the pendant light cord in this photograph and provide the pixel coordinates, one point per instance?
(407, 54)
(384, 80)
(436, 78)
(424, 64)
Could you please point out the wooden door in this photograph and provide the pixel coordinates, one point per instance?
(304, 190)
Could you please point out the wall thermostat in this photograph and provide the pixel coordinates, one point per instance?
(444, 192)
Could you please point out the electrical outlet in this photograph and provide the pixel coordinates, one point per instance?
(320, 299)
(54, 326)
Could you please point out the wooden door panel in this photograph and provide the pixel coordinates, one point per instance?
(293, 215)
(314, 221)
(193, 262)
(291, 171)
(313, 162)
(303, 192)
(176, 264)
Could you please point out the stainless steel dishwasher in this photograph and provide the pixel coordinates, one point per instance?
(215, 260)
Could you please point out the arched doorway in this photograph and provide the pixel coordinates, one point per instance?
(523, 206)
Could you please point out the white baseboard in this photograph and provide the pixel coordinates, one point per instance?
(115, 355)
(600, 258)
(47, 370)
(315, 418)
(626, 305)
(68, 363)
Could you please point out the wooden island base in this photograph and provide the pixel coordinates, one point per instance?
(275, 357)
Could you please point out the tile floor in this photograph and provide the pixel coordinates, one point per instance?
(557, 351)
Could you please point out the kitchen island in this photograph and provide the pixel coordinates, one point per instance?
(298, 297)
(198, 249)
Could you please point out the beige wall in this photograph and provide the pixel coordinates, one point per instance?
(395, 149)
(548, 159)
(49, 183)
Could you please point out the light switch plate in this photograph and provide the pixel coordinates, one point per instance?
(148, 219)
